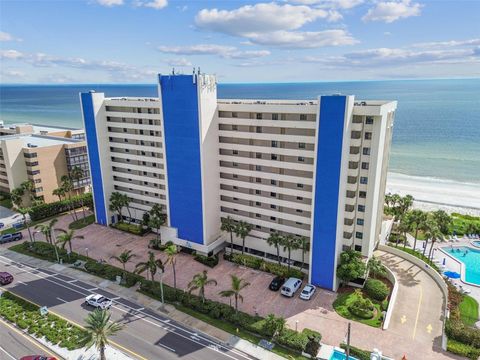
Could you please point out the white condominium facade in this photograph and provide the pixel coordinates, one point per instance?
(311, 168)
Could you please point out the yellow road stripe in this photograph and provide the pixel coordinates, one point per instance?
(418, 311)
(37, 344)
(80, 326)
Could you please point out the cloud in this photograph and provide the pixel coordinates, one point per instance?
(4, 36)
(451, 43)
(227, 52)
(154, 4)
(333, 4)
(179, 62)
(11, 54)
(273, 24)
(13, 73)
(110, 3)
(392, 11)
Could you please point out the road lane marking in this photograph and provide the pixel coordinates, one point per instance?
(72, 281)
(429, 328)
(21, 282)
(403, 319)
(92, 289)
(6, 352)
(166, 347)
(418, 311)
(60, 299)
(180, 328)
(27, 337)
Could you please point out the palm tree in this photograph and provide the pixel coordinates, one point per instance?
(151, 265)
(46, 230)
(275, 239)
(156, 221)
(199, 282)
(290, 243)
(376, 267)
(403, 227)
(77, 174)
(237, 285)
(274, 325)
(66, 237)
(99, 329)
(417, 221)
(29, 187)
(228, 225)
(67, 187)
(429, 229)
(117, 202)
(172, 253)
(59, 192)
(433, 233)
(17, 197)
(304, 245)
(124, 258)
(242, 229)
(24, 211)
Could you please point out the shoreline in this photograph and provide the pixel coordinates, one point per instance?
(433, 194)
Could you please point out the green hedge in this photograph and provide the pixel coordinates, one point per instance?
(43, 211)
(456, 330)
(356, 352)
(463, 350)
(254, 324)
(131, 228)
(81, 223)
(27, 317)
(260, 264)
(111, 272)
(376, 289)
(210, 261)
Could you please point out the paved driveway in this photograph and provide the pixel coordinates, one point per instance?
(419, 298)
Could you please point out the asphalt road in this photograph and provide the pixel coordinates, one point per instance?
(146, 335)
(14, 344)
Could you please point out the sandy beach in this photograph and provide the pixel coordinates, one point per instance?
(434, 194)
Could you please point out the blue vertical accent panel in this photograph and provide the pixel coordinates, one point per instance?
(94, 158)
(327, 182)
(182, 145)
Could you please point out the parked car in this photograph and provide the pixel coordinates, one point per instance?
(291, 286)
(5, 278)
(276, 283)
(308, 292)
(98, 301)
(11, 237)
(38, 357)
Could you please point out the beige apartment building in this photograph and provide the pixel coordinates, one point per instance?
(43, 155)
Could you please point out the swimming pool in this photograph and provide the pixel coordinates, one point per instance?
(337, 355)
(471, 258)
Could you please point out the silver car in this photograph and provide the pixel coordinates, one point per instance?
(307, 292)
(98, 301)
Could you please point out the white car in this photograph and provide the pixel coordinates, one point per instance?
(307, 292)
(98, 301)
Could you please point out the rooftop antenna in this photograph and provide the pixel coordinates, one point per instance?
(199, 70)
(173, 71)
(194, 71)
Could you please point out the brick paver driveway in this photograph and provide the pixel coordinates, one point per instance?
(103, 242)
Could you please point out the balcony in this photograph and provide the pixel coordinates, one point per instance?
(357, 126)
(356, 142)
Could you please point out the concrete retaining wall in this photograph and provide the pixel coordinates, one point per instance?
(393, 297)
(433, 274)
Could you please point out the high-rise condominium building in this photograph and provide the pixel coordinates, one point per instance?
(310, 168)
(43, 155)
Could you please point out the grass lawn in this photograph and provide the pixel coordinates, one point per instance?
(225, 326)
(345, 299)
(81, 223)
(418, 255)
(469, 310)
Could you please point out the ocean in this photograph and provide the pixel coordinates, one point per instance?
(436, 133)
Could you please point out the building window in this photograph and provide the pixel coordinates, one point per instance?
(273, 182)
(363, 180)
(299, 210)
(30, 155)
(359, 235)
(303, 116)
(235, 152)
(369, 120)
(259, 116)
(258, 227)
(258, 192)
(274, 156)
(258, 215)
(301, 159)
(258, 203)
(234, 164)
(235, 176)
(301, 145)
(258, 168)
(361, 208)
(37, 181)
(299, 185)
(368, 135)
(299, 198)
(366, 151)
(365, 165)
(259, 129)
(358, 248)
(234, 127)
(234, 115)
(272, 194)
(273, 218)
(273, 206)
(362, 194)
(360, 221)
(258, 155)
(258, 180)
(274, 116)
(274, 143)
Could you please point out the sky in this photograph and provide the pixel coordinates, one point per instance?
(130, 41)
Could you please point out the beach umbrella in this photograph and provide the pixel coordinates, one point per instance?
(452, 274)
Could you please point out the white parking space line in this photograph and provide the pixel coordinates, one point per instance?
(72, 281)
(8, 354)
(92, 289)
(60, 299)
(166, 347)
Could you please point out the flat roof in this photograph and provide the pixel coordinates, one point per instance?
(40, 140)
(38, 127)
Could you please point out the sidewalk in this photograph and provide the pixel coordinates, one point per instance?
(132, 295)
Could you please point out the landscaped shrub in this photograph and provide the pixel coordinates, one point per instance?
(358, 353)
(210, 261)
(260, 264)
(376, 289)
(456, 330)
(45, 251)
(111, 272)
(361, 307)
(43, 211)
(131, 228)
(384, 305)
(463, 350)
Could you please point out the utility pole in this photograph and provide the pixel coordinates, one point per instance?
(348, 342)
